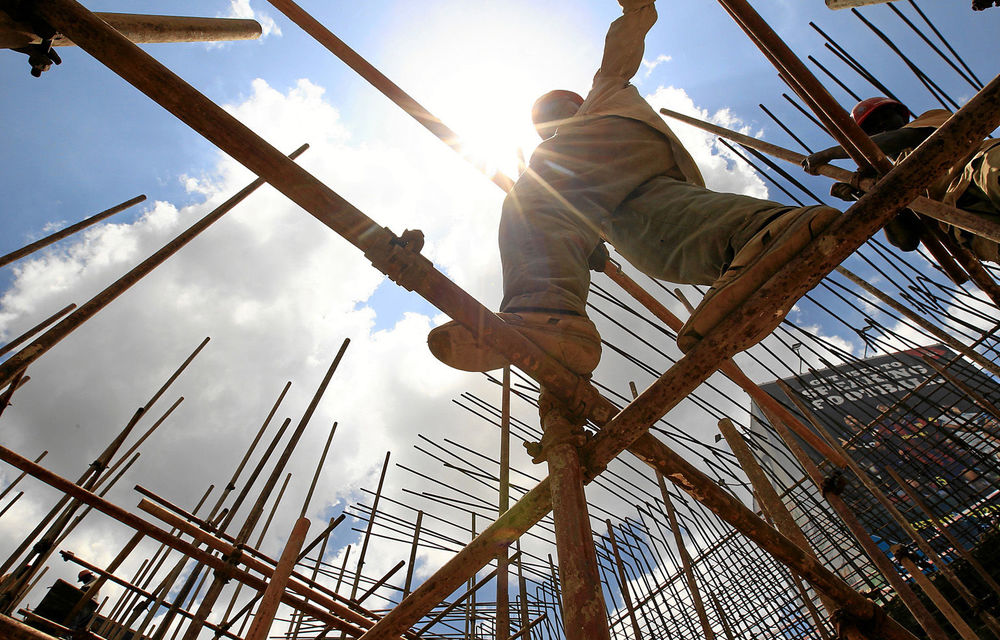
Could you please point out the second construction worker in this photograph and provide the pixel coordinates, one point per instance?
(973, 185)
(609, 165)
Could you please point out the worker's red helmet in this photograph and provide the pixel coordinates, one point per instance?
(864, 110)
(85, 576)
(551, 108)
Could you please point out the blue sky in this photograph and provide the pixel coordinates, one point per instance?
(275, 291)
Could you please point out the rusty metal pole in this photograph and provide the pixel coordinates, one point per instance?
(623, 581)
(368, 528)
(850, 520)
(689, 578)
(502, 587)
(319, 468)
(413, 554)
(70, 323)
(17, 480)
(27, 250)
(905, 558)
(276, 585)
(976, 397)
(584, 615)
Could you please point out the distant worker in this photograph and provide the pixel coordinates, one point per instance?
(609, 165)
(973, 184)
(85, 577)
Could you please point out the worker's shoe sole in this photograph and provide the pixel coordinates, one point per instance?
(765, 253)
(572, 340)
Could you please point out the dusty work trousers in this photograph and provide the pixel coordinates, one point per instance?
(982, 197)
(617, 177)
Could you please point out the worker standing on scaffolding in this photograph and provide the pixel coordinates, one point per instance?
(973, 184)
(609, 165)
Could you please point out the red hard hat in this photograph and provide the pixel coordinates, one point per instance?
(84, 575)
(864, 109)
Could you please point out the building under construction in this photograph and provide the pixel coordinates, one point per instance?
(835, 495)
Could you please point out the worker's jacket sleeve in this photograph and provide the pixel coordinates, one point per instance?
(625, 43)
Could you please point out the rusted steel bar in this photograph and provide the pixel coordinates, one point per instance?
(778, 514)
(923, 324)
(905, 558)
(319, 467)
(729, 368)
(27, 250)
(689, 577)
(525, 631)
(27, 335)
(279, 579)
(451, 607)
(969, 261)
(979, 83)
(368, 528)
(899, 14)
(623, 581)
(850, 520)
(381, 581)
(413, 554)
(104, 575)
(583, 609)
(17, 480)
(899, 518)
(334, 522)
(15, 630)
(231, 485)
(723, 618)
(387, 87)
(977, 566)
(502, 631)
(833, 77)
(70, 323)
(847, 132)
(976, 397)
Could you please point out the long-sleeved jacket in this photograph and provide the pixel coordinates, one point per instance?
(612, 93)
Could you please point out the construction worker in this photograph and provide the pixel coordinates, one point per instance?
(973, 184)
(609, 165)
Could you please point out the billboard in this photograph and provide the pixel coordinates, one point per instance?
(897, 412)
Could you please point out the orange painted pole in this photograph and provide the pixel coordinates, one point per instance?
(264, 617)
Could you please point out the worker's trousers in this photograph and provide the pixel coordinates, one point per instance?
(982, 197)
(615, 177)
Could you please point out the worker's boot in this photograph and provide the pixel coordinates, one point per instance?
(570, 339)
(766, 252)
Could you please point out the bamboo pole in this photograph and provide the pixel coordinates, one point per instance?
(325, 537)
(27, 250)
(276, 585)
(70, 323)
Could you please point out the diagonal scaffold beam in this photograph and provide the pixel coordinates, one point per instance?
(410, 269)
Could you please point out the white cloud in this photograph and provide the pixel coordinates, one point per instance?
(242, 9)
(650, 65)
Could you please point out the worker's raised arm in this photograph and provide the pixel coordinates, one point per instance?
(626, 41)
(892, 143)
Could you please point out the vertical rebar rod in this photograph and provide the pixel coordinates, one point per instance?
(413, 554)
(502, 587)
(932, 593)
(623, 582)
(319, 468)
(368, 528)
